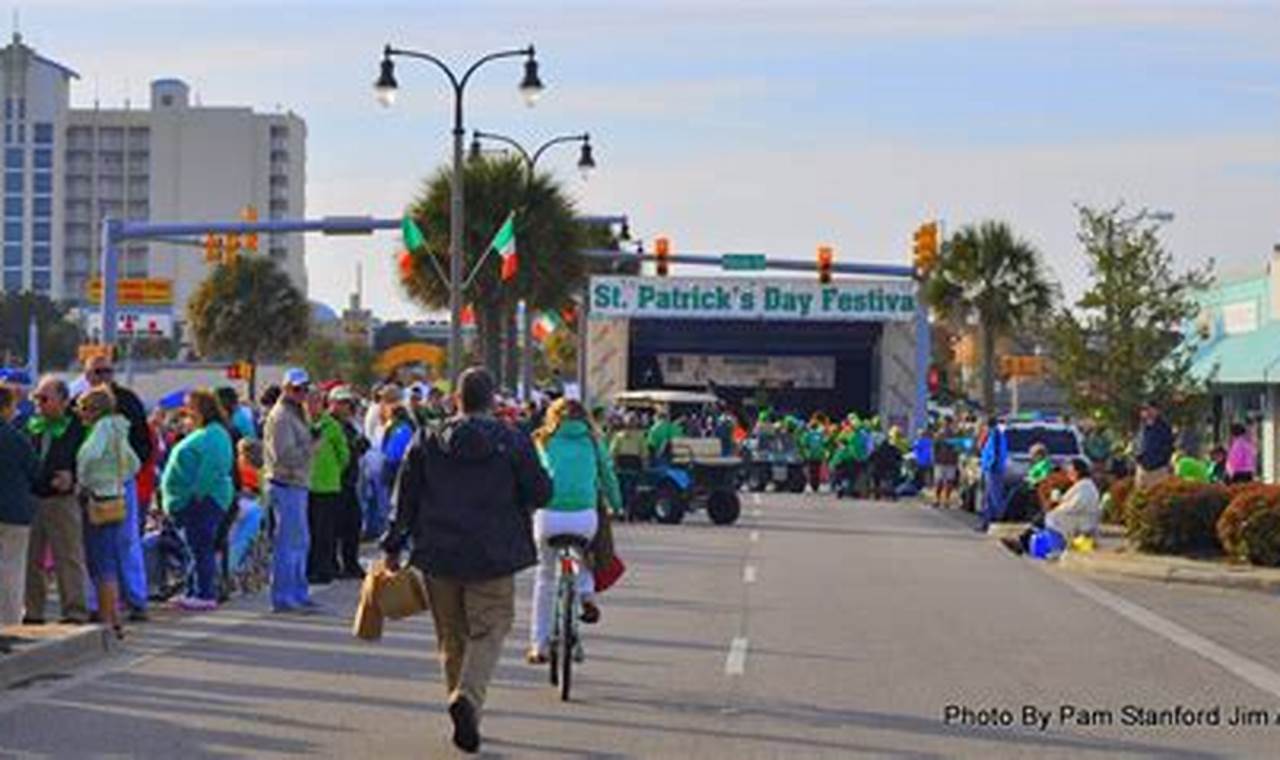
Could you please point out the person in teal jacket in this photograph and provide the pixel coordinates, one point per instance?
(576, 458)
(197, 492)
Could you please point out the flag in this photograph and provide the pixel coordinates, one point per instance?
(504, 242)
(405, 260)
(546, 323)
(413, 238)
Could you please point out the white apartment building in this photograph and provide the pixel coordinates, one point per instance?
(177, 161)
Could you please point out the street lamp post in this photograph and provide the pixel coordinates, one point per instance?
(386, 87)
(586, 164)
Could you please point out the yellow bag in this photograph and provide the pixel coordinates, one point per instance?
(105, 511)
(400, 594)
(1082, 544)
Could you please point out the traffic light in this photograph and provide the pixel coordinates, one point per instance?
(239, 370)
(250, 214)
(213, 248)
(825, 259)
(925, 248)
(661, 250)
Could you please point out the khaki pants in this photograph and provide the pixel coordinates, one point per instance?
(472, 619)
(1147, 478)
(57, 524)
(13, 565)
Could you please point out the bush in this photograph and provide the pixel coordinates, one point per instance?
(1261, 537)
(1115, 503)
(1176, 516)
(1056, 481)
(1245, 502)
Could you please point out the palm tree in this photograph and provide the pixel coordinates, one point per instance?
(547, 236)
(988, 275)
(248, 310)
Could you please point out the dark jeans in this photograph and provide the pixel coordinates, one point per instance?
(199, 523)
(347, 530)
(1242, 477)
(322, 517)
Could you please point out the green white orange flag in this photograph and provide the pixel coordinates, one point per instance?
(504, 242)
(413, 237)
(546, 323)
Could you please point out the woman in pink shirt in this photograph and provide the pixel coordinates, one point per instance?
(1242, 457)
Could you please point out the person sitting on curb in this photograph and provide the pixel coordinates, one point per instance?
(1078, 512)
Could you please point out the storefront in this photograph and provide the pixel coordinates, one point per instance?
(790, 344)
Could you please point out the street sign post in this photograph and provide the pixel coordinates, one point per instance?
(743, 262)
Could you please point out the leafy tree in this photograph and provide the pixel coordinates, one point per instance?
(547, 235)
(59, 337)
(328, 359)
(990, 277)
(248, 310)
(1123, 341)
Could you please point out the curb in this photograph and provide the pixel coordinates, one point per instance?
(38, 654)
(1246, 579)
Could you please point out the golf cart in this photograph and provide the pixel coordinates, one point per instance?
(691, 474)
(772, 458)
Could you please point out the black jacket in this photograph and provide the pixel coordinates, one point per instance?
(19, 468)
(465, 494)
(130, 406)
(1155, 445)
(60, 454)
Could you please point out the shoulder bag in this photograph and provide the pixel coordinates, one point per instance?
(109, 510)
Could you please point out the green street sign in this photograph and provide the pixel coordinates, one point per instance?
(743, 262)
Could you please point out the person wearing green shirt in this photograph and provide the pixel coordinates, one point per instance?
(1041, 465)
(197, 491)
(1192, 468)
(332, 453)
(661, 433)
(812, 443)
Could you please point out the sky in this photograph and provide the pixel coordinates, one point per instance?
(750, 126)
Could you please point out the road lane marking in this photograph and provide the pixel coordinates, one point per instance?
(736, 663)
(753, 536)
(1250, 671)
(756, 513)
(749, 574)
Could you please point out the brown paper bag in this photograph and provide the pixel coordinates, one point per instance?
(367, 625)
(400, 594)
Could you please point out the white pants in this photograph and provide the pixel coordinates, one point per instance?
(548, 523)
(13, 572)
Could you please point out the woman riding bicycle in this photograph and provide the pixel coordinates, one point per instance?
(578, 462)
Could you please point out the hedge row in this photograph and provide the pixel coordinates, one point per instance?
(1179, 516)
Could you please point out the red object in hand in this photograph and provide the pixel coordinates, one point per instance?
(606, 577)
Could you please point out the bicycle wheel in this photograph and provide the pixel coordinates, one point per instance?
(565, 642)
(553, 650)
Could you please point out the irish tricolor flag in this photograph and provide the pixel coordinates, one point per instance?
(505, 244)
(546, 323)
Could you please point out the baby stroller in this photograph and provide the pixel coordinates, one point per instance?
(168, 560)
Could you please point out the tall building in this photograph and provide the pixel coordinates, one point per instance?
(66, 169)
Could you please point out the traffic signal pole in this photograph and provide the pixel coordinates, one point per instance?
(115, 232)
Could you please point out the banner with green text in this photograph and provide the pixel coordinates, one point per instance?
(752, 298)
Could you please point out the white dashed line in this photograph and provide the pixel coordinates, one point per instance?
(755, 499)
(749, 574)
(736, 663)
(756, 513)
(753, 536)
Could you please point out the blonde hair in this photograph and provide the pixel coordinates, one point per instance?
(97, 402)
(562, 409)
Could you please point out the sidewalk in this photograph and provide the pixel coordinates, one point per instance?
(49, 651)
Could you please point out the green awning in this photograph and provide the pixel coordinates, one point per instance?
(1251, 358)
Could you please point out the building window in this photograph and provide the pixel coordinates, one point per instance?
(13, 232)
(44, 158)
(44, 182)
(43, 207)
(13, 206)
(43, 133)
(40, 256)
(22, 133)
(8, 108)
(13, 254)
(8, 133)
(40, 232)
(13, 182)
(22, 108)
(13, 158)
(12, 280)
(41, 281)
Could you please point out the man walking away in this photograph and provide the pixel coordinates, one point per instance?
(466, 494)
(1155, 448)
(287, 449)
(342, 404)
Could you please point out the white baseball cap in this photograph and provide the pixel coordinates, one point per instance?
(296, 377)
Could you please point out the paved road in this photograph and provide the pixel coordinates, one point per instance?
(811, 629)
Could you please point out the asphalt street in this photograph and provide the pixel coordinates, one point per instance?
(812, 628)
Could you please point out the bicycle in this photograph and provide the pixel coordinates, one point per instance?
(565, 645)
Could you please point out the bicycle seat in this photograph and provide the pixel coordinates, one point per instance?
(568, 541)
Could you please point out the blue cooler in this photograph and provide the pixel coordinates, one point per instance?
(1047, 544)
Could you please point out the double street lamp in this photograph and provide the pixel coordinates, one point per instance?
(386, 88)
(586, 164)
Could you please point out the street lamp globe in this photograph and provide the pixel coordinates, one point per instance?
(586, 162)
(385, 88)
(531, 86)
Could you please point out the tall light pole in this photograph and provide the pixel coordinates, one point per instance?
(386, 87)
(586, 164)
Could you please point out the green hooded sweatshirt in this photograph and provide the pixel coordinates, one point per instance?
(580, 469)
(331, 455)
